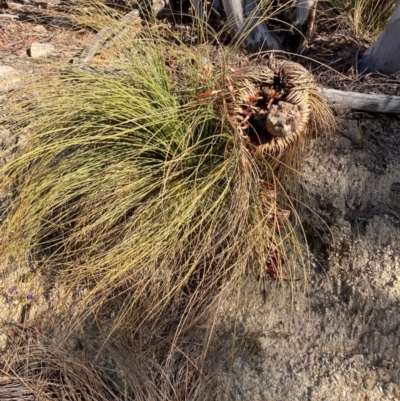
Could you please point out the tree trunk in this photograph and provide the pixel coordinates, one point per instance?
(303, 11)
(384, 54)
(246, 24)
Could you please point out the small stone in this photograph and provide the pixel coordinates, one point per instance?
(370, 380)
(39, 29)
(8, 78)
(6, 70)
(39, 50)
(389, 389)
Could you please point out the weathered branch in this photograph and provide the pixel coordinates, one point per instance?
(361, 101)
(107, 33)
(102, 37)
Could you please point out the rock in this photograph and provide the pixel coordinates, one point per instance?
(39, 50)
(370, 380)
(9, 78)
(390, 390)
(5, 70)
(39, 29)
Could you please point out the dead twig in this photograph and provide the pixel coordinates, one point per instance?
(12, 16)
(108, 33)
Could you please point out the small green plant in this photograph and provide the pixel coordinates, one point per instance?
(13, 293)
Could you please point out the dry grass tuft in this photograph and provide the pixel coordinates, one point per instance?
(367, 17)
(43, 370)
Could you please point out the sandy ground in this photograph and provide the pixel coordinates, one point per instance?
(340, 340)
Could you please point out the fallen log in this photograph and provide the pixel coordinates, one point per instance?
(371, 103)
(14, 390)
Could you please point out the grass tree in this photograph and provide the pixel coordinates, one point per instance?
(147, 182)
(138, 174)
